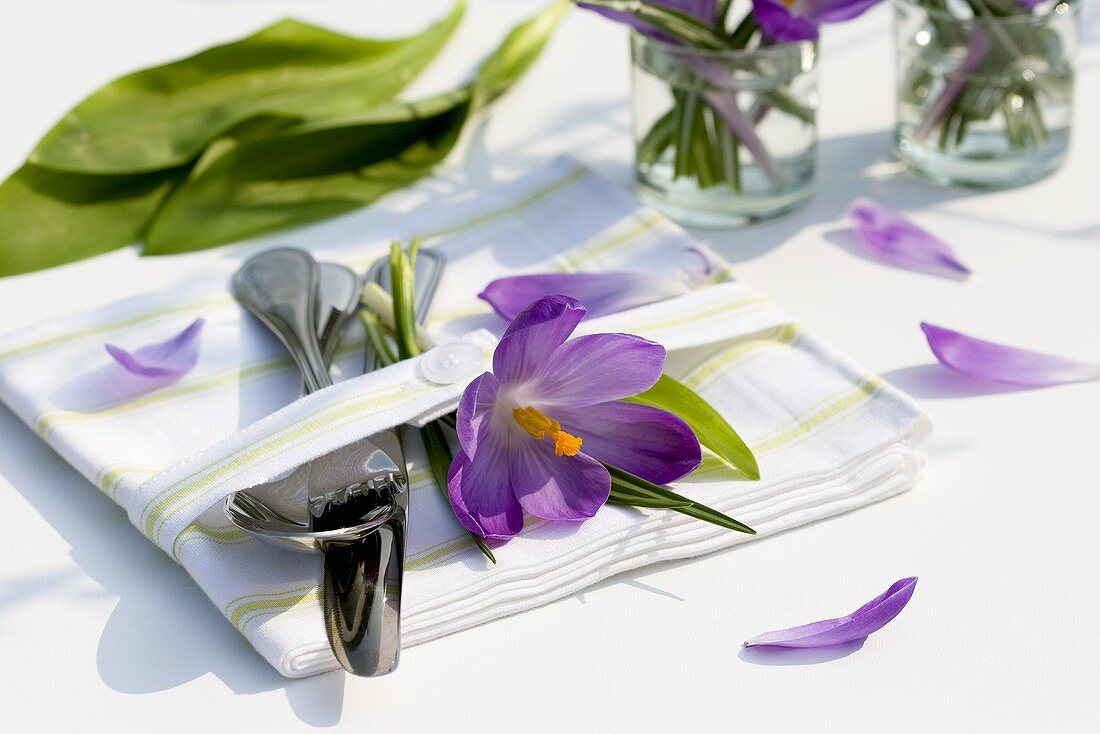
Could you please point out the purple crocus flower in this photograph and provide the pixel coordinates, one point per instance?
(704, 10)
(999, 363)
(798, 20)
(599, 293)
(536, 431)
(892, 238)
(871, 617)
(173, 358)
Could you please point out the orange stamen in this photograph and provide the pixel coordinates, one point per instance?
(566, 444)
(539, 426)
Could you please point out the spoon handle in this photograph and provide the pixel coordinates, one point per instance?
(280, 288)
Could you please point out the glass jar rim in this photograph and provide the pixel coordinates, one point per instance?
(1022, 19)
(778, 50)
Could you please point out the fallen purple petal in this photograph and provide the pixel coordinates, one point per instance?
(173, 358)
(599, 293)
(893, 239)
(999, 363)
(869, 618)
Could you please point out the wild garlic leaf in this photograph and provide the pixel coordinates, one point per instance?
(163, 117)
(48, 217)
(250, 184)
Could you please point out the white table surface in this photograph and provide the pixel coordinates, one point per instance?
(100, 630)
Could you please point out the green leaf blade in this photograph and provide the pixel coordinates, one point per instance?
(627, 485)
(164, 116)
(319, 169)
(49, 218)
(712, 430)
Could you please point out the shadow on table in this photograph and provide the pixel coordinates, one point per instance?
(796, 656)
(848, 167)
(463, 178)
(933, 381)
(164, 632)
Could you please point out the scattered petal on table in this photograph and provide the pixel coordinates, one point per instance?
(871, 617)
(894, 239)
(999, 363)
(172, 358)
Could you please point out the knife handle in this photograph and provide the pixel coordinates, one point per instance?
(362, 588)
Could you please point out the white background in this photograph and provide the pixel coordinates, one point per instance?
(99, 630)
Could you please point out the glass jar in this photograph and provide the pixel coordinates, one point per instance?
(724, 138)
(984, 88)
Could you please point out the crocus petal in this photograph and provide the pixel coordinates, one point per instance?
(834, 11)
(999, 363)
(894, 239)
(532, 337)
(871, 617)
(557, 487)
(780, 23)
(647, 442)
(595, 369)
(475, 410)
(705, 10)
(600, 293)
(172, 358)
(481, 492)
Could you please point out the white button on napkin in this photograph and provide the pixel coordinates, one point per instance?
(449, 363)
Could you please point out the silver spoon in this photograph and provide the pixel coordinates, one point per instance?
(275, 285)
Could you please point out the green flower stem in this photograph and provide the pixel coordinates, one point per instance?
(376, 299)
(376, 337)
(686, 102)
(404, 315)
(657, 140)
(702, 149)
(782, 100)
(724, 13)
(743, 33)
(731, 156)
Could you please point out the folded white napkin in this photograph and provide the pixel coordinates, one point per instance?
(828, 436)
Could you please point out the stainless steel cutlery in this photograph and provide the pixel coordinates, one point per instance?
(352, 503)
